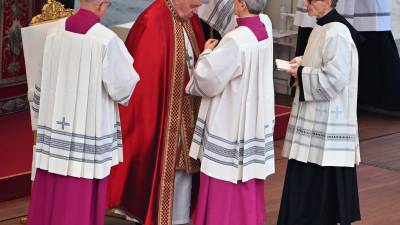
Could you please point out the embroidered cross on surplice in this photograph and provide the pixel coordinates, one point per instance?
(336, 112)
(63, 123)
(321, 111)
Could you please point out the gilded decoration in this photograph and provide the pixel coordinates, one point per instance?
(52, 10)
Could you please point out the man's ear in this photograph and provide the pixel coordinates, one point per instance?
(100, 4)
(244, 4)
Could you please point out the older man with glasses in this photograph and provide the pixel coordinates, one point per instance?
(322, 138)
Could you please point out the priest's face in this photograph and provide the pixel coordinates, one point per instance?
(318, 8)
(186, 8)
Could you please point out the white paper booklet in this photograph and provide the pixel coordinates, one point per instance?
(282, 65)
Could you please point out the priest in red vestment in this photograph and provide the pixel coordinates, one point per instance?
(154, 184)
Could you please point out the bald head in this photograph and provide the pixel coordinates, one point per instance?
(98, 7)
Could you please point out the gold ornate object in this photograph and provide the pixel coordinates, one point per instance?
(52, 10)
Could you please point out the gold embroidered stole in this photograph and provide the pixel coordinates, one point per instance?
(182, 115)
(190, 108)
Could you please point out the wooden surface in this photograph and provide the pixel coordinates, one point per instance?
(378, 176)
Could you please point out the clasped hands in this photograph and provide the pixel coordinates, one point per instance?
(294, 66)
(211, 44)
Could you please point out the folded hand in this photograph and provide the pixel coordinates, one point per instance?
(294, 66)
(211, 44)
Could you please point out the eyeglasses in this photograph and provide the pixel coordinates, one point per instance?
(311, 1)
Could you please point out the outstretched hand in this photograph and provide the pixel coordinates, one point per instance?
(211, 44)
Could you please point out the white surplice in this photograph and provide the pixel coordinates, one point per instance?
(33, 40)
(234, 130)
(323, 128)
(75, 101)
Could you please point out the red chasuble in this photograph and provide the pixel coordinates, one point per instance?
(158, 124)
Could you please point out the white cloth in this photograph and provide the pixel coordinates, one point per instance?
(33, 170)
(84, 77)
(323, 129)
(395, 8)
(372, 15)
(182, 197)
(218, 14)
(33, 40)
(233, 135)
(302, 19)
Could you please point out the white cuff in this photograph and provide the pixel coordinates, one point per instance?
(206, 51)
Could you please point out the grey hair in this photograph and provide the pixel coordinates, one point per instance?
(255, 6)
